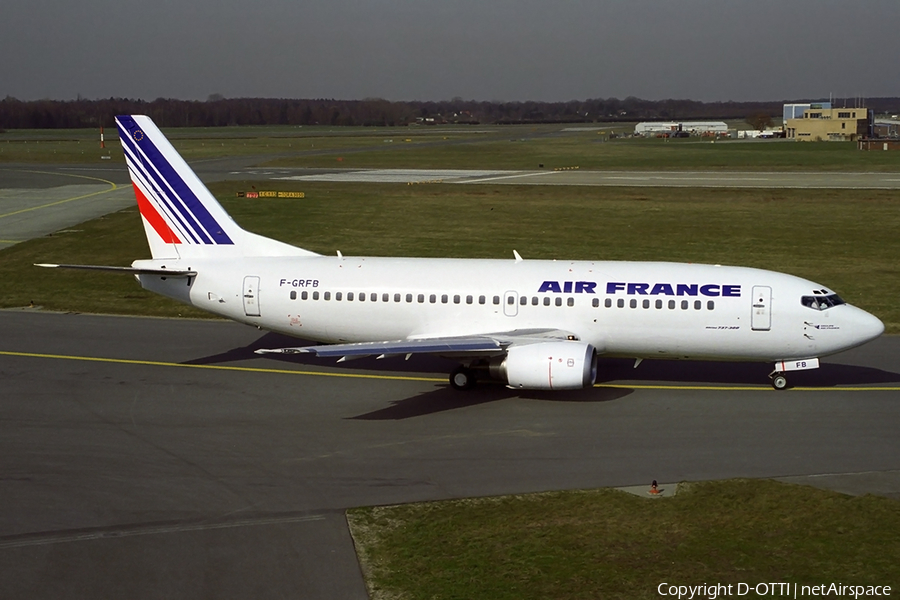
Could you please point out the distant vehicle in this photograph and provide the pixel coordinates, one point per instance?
(533, 324)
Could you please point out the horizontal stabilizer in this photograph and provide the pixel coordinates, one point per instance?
(131, 270)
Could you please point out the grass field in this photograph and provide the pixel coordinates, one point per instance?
(454, 146)
(609, 544)
(846, 240)
(592, 151)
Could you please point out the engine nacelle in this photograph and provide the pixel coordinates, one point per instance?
(548, 366)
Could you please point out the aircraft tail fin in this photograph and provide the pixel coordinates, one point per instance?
(182, 219)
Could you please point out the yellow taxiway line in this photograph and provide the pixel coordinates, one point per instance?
(25, 210)
(154, 363)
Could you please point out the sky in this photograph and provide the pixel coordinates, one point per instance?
(495, 50)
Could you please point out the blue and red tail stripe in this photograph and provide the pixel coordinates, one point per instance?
(181, 209)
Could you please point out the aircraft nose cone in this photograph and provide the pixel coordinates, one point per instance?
(873, 326)
(867, 326)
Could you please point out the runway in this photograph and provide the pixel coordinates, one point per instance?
(575, 176)
(162, 458)
(39, 200)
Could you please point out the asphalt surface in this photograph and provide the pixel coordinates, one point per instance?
(135, 465)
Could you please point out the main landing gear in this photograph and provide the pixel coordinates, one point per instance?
(462, 378)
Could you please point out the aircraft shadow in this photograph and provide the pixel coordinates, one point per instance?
(445, 398)
(725, 373)
(611, 370)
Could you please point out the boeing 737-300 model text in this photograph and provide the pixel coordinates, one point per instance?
(533, 324)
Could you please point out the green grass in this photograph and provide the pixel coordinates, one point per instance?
(456, 146)
(844, 239)
(609, 544)
(588, 150)
(67, 146)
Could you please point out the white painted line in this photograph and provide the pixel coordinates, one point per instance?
(517, 175)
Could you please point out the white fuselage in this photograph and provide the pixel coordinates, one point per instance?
(633, 309)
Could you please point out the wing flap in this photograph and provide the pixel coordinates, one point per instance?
(489, 343)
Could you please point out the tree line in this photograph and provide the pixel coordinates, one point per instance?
(218, 111)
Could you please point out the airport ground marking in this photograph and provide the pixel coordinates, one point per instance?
(153, 363)
(43, 540)
(25, 210)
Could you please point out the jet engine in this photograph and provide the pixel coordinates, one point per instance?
(547, 366)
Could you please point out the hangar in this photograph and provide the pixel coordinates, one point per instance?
(690, 127)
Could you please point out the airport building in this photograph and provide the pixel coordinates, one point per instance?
(688, 127)
(822, 122)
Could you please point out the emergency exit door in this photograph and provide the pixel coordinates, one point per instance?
(251, 296)
(761, 315)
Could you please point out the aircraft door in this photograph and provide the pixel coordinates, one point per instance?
(511, 304)
(761, 315)
(251, 296)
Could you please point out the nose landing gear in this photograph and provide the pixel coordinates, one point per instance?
(779, 381)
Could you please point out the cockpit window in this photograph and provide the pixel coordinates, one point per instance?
(821, 302)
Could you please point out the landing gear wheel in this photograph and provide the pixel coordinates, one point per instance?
(462, 378)
(779, 381)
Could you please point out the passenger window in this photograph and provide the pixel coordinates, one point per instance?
(633, 303)
(684, 304)
(374, 297)
(558, 301)
(396, 297)
(304, 295)
(315, 295)
(570, 302)
(546, 300)
(349, 297)
(658, 304)
(445, 299)
(523, 300)
(456, 299)
(534, 300)
(496, 300)
(468, 299)
(698, 305)
(620, 303)
(608, 303)
(362, 297)
(595, 302)
(409, 297)
(421, 298)
(337, 296)
(481, 299)
(710, 305)
(385, 297)
(671, 305)
(293, 295)
(645, 303)
(511, 300)
(325, 296)
(432, 298)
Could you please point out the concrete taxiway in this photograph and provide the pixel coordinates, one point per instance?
(36, 201)
(162, 458)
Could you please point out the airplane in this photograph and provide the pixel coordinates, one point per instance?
(532, 324)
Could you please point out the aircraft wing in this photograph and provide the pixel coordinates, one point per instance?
(472, 345)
